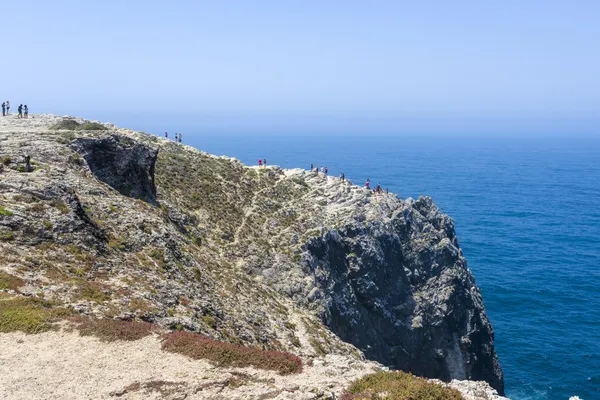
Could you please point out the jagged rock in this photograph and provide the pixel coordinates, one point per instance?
(281, 259)
(122, 164)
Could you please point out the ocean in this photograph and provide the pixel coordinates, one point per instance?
(527, 214)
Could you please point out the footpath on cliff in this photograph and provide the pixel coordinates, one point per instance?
(105, 223)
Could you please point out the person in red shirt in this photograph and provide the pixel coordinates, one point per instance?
(260, 162)
(367, 183)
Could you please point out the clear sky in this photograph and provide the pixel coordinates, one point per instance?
(294, 66)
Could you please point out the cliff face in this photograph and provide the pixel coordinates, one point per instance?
(398, 288)
(123, 224)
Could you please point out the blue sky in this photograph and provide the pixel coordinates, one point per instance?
(294, 66)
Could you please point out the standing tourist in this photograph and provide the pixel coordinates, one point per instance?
(7, 107)
(20, 111)
(25, 111)
(3, 109)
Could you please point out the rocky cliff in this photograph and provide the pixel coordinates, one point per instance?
(123, 224)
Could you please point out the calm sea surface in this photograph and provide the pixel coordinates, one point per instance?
(527, 212)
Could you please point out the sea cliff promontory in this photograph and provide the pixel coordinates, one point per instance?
(107, 223)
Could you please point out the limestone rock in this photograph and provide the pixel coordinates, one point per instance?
(117, 223)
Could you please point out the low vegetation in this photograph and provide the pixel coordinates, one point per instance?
(398, 386)
(29, 315)
(110, 330)
(230, 355)
(72, 125)
(10, 282)
(5, 212)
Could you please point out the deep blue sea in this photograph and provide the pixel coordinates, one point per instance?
(527, 213)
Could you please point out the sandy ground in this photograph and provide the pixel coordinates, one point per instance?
(64, 365)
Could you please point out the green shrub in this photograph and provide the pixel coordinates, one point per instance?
(398, 385)
(92, 291)
(7, 237)
(29, 315)
(230, 355)
(92, 126)
(67, 124)
(6, 160)
(5, 212)
(72, 125)
(110, 330)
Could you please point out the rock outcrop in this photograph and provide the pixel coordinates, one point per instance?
(123, 224)
(122, 164)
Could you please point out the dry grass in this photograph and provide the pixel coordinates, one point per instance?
(110, 330)
(230, 355)
(397, 386)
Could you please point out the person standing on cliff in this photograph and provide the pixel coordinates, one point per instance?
(20, 110)
(4, 109)
(326, 170)
(7, 107)
(368, 183)
(311, 166)
(265, 162)
(166, 135)
(26, 111)
(260, 162)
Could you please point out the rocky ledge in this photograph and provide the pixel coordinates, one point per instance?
(121, 224)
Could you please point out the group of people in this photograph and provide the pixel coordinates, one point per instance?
(377, 189)
(324, 170)
(22, 109)
(177, 137)
(262, 162)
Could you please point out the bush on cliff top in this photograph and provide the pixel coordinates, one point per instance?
(72, 125)
(110, 330)
(398, 385)
(231, 355)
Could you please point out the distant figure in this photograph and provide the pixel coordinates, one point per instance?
(166, 135)
(25, 111)
(387, 191)
(342, 177)
(4, 110)
(28, 163)
(317, 169)
(260, 162)
(311, 166)
(326, 170)
(180, 138)
(7, 107)
(368, 183)
(20, 110)
(265, 162)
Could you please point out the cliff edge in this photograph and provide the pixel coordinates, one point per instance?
(121, 224)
